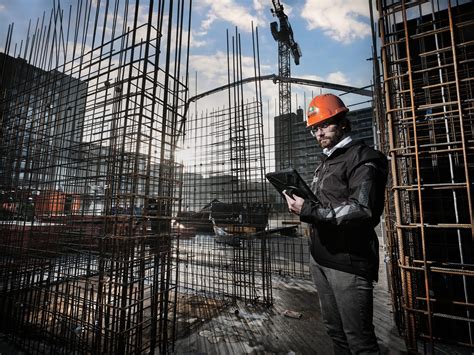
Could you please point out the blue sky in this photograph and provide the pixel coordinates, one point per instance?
(334, 36)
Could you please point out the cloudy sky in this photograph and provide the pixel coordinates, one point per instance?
(334, 36)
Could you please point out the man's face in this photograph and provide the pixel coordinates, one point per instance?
(328, 134)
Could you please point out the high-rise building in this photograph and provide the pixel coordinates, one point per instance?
(42, 116)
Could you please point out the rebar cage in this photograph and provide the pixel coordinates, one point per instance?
(90, 105)
(426, 53)
(223, 251)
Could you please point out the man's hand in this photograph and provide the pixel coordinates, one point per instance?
(295, 203)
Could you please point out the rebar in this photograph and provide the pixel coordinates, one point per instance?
(426, 55)
(89, 105)
(225, 209)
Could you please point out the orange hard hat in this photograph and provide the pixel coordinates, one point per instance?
(324, 107)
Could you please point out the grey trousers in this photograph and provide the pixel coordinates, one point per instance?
(346, 302)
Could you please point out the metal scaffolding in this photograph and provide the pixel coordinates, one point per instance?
(427, 58)
(89, 110)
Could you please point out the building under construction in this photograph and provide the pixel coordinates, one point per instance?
(131, 223)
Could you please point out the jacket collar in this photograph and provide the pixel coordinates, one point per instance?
(340, 150)
(342, 143)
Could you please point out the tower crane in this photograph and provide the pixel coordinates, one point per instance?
(286, 46)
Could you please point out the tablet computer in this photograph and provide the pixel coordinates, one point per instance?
(291, 181)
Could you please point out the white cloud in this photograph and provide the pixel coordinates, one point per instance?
(206, 24)
(214, 66)
(313, 77)
(229, 10)
(212, 73)
(211, 68)
(196, 39)
(259, 5)
(342, 20)
(337, 78)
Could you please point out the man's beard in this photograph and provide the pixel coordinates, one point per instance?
(332, 140)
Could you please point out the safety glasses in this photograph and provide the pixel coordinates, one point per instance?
(322, 126)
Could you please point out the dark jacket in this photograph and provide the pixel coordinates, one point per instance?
(350, 188)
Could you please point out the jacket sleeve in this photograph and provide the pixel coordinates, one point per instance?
(364, 203)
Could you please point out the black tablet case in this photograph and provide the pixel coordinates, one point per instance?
(291, 181)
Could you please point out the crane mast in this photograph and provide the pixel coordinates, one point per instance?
(283, 34)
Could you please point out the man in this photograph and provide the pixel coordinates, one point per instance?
(349, 185)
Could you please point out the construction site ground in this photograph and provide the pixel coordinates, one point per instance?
(292, 325)
(250, 329)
